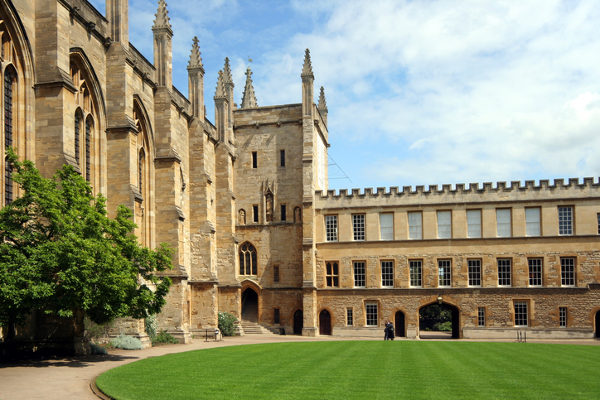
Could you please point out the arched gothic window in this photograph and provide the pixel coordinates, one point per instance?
(10, 78)
(86, 119)
(248, 259)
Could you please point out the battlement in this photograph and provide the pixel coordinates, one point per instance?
(472, 192)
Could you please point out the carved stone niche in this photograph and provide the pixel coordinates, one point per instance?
(269, 193)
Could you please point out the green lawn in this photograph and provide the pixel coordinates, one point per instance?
(364, 370)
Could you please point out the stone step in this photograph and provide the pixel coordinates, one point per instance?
(252, 328)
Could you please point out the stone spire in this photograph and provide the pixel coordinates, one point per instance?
(163, 46)
(228, 85)
(249, 98)
(322, 103)
(227, 78)
(195, 59)
(162, 17)
(220, 92)
(307, 87)
(322, 106)
(307, 67)
(196, 81)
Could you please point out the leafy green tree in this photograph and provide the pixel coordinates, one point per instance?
(61, 254)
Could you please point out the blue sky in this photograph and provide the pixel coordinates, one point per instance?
(419, 91)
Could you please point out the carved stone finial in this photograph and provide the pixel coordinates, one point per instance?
(249, 98)
(307, 67)
(220, 91)
(322, 103)
(162, 16)
(195, 59)
(227, 78)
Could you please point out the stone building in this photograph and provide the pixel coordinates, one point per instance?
(244, 201)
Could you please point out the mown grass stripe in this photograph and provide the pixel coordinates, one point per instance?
(364, 370)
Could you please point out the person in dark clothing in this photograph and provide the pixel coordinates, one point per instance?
(389, 331)
(385, 330)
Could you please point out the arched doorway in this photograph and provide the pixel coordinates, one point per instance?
(325, 323)
(438, 321)
(399, 324)
(298, 322)
(598, 324)
(250, 305)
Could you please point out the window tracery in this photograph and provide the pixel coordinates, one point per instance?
(248, 259)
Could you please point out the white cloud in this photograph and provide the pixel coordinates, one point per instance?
(420, 91)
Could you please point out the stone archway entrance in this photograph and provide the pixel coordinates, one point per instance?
(298, 322)
(325, 323)
(399, 324)
(250, 305)
(597, 324)
(439, 321)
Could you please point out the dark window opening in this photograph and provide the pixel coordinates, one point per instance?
(282, 158)
(283, 215)
(88, 134)
(276, 273)
(254, 160)
(9, 80)
(255, 213)
(276, 315)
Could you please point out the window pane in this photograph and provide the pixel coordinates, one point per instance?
(521, 313)
(481, 316)
(444, 219)
(387, 273)
(415, 230)
(503, 225)
(565, 220)
(474, 272)
(372, 318)
(562, 312)
(415, 272)
(349, 317)
(504, 278)
(535, 271)
(332, 277)
(532, 219)
(386, 226)
(358, 226)
(567, 271)
(359, 274)
(444, 272)
(474, 223)
(331, 229)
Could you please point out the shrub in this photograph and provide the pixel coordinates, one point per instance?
(151, 326)
(126, 342)
(227, 323)
(163, 337)
(96, 332)
(443, 326)
(97, 349)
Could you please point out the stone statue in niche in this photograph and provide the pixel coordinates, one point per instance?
(297, 215)
(242, 217)
(269, 206)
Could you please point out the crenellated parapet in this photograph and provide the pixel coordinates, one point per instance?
(473, 192)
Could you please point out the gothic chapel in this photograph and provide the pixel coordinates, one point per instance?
(244, 201)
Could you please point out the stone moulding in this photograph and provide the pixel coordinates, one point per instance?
(558, 186)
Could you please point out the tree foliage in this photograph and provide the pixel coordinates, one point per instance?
(435, 317)
(61, 254)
